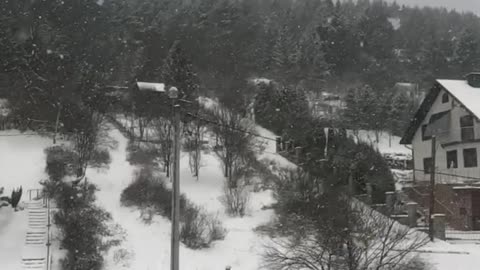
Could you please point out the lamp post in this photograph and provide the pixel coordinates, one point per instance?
(175, 249)
(173, 94)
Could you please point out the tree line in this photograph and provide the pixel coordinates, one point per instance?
(55, 53)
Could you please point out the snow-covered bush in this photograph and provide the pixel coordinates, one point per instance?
(122, 257)
(84, 227)
(235, 199)
(100, 158)
(149, 191)
(198, 229)
(60, 162)
(138, 155)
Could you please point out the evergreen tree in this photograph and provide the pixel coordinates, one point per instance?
(178, 71)
(468, 51)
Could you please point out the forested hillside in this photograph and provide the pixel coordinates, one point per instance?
(68, 50)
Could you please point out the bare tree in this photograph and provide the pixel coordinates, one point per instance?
(356, 237)
(235, 137)
(87, 136)
(164, 133)
(193, 145)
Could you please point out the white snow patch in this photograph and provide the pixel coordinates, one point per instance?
(386, 145)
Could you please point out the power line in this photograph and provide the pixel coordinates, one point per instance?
(18, 135)
(449, 174)
(230, 127)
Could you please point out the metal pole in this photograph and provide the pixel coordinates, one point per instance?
(175, 245)
(48, 234)
(432, 189)
(56, 123)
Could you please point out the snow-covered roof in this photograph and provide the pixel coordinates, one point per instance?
(466, 187)
(467, 95)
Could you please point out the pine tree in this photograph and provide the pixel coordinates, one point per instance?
(178, 71)
(468, 51)
(351, 114)
(282, 56)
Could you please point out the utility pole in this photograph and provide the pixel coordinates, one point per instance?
(57, 123)
(173, 94)
(432, 188)
(175, 245)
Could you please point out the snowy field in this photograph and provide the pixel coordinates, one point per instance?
(22, 161)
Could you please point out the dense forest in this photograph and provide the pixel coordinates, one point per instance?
(56, 52)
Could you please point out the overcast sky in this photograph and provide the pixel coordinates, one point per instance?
(459, 5)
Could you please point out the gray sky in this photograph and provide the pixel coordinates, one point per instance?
(459, 5)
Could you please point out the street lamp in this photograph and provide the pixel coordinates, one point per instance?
(173, 94)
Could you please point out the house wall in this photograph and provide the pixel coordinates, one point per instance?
(422, 149)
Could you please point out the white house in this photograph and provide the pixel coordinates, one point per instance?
(451, 113)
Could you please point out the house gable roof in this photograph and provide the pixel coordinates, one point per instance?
(421, 114)
(460, 90)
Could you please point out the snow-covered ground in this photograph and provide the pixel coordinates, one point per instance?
(22, 163)
(149, 245)
(13, 228)
(386, 145)
(22, 160)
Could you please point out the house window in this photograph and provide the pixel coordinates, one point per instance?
(445, 98)
(452, 161)
(427, 165)
(467, 128)
(470, 157)
(425, 137)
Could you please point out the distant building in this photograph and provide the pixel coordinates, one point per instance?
(411, 90)
(325, 105)
(4, 114)
(451, 113)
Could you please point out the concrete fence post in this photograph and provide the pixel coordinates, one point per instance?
(287, 146)
(351, 185)
(390, 201)
(369, 192)
(298, 153)
(279, 144)
(439, 226)
(412, 214)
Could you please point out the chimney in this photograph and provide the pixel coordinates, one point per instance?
(473, 79)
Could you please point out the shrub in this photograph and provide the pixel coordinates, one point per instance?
(235, 199)
(138, 155)
(100, 157)
(199, 230)
(16, 196)
(147, 190)
(150, 194)
(84, 227)
(59, 162)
